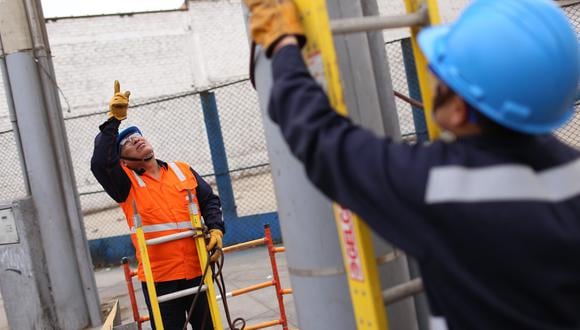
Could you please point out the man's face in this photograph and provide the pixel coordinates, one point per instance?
(136, 146)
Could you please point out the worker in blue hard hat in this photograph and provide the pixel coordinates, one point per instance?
(492, 215)
(124, 163)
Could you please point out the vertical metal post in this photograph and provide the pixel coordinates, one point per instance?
(218, 154)
(382, 81)
(37, 116)
(307, 222)
(276, 277)
(131, 291)
(421, 62)
(414, 92)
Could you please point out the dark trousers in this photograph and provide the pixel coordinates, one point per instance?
(173, 312)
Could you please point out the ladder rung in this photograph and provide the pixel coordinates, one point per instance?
(373, 23)
(389, 257)
(402, 291)
(171, 237)
(182, 293)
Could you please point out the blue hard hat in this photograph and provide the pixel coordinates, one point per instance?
(126, 132)
(516, 61)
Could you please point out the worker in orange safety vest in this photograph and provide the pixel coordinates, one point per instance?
(125, 165)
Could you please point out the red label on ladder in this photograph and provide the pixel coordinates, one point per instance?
(350, 245)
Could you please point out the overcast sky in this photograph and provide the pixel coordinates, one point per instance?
(67, 8)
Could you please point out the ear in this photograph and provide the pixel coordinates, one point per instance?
(460, 112)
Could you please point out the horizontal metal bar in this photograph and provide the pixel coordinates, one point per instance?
(287, 291)
(566, 3)
(263, 325)
(402, 291)
(374, 23)
(244, 245)
(182, 293)
(171, 237)
(252, 288)
(391, 256)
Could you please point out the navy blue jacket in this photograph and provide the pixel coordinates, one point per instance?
(106, 167)
(493, 223)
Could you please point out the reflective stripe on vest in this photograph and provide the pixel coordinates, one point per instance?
(499, 183)
(193, 209)
(173, 166)
(177, 171)
(165, 226)
(139, 180)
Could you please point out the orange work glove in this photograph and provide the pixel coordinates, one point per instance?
(119, 103)
(215, 239)
(271, 20)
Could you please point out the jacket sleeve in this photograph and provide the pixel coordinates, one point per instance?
(378, 179)
(209, 203)
(105, 163)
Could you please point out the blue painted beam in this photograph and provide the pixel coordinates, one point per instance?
(414, 91)
(218, 154)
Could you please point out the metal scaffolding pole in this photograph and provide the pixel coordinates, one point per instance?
(377, 23)
(313, 251)
(37, 117)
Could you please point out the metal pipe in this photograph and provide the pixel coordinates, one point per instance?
(374, 23)
(249, 289)
(567, 3)
(287, 291)
(386, 258)
(41, 138)
(171, 237)
(279, 249)
(402, 291)
(276, 281)
(409, 100)
(244, 245)
(182, 293)
(263, 325)
(131, 291)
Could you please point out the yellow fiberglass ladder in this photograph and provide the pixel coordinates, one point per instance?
(198, 234)
(319, 53)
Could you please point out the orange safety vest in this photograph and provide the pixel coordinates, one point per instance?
(163, 208)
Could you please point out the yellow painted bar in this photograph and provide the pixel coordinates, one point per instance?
(148, 276)
(358, 253)
(203, 260)
(425, 85)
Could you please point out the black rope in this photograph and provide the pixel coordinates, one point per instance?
(219, 280)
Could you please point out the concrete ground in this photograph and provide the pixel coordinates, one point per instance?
(241, 269)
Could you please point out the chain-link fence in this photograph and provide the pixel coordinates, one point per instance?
(411, 119)
(404, 82)
(246, 149)
(176, 128)
(571, 132)
(175, 124)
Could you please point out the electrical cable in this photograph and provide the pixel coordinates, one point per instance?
(219, 280)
